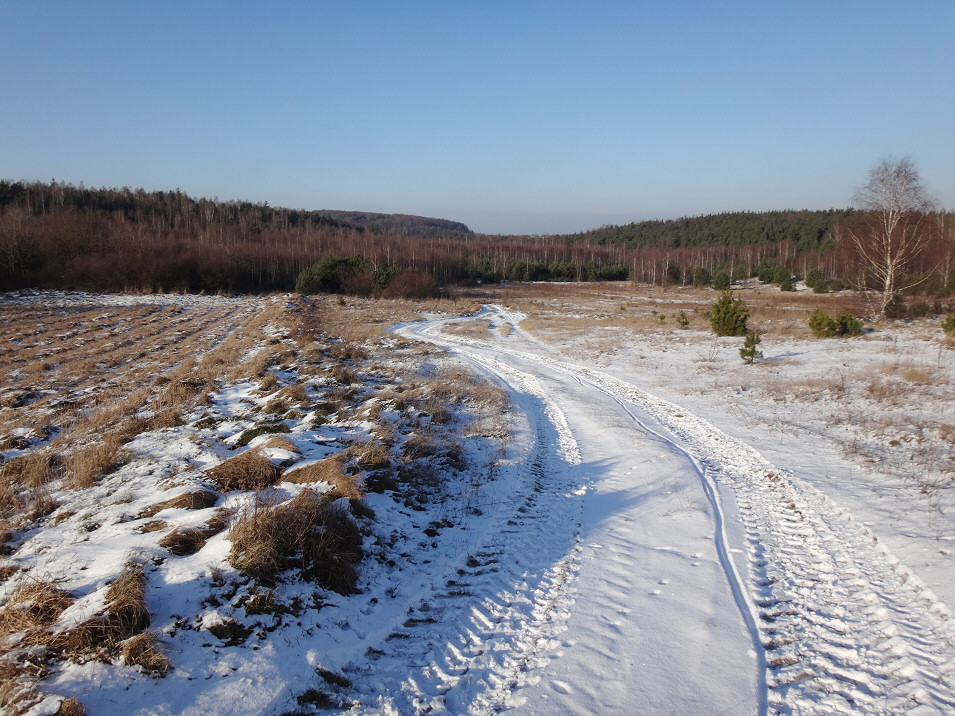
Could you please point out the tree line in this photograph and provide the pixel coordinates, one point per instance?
(56, 235)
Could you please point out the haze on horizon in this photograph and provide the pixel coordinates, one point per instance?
(525, 118)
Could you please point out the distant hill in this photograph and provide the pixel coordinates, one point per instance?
(809, 230)
(396, 224)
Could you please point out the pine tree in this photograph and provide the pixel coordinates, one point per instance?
(728, 315)
(749, 352)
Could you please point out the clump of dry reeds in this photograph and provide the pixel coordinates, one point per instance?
(89, 463)
(36, 604)
(192, 500)
(249, 471)
(125, 616)
(312, 532)
(189, 540)
(143, 650)
(277, 442)
(327, 470)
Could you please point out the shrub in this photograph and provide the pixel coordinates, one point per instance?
(336, 274)
(787, 284)
(948, 325)
(816, 281)
(781, 274)
(728, 315)
(411, 284)
(823, 325)
(683, 320)
(721, 280)
(749, 353)
(702, 277)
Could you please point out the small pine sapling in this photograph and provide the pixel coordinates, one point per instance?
(749, 352)
(683, 320)
(728, 315)
(948, 325)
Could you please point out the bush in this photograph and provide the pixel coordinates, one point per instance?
(721, 280)
(765, 271)
(728, 315)
(823, 325)
(411, 284)
(749, 353)
(702, 277)
(781, 274)
(336, 274)
(949, 324)
(816, 281)
(787, 284)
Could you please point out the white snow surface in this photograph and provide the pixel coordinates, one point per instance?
(711, 578)
(636, 547)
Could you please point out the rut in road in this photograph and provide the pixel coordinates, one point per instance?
(476, 637)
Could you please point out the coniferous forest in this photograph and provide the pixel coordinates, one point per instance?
(56, 235)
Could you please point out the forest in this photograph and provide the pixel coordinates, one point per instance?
(56, 235)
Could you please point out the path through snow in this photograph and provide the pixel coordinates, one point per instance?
(658, 564)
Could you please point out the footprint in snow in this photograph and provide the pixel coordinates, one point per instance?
(560, 687)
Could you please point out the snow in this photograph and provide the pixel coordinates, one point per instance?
(664, 530)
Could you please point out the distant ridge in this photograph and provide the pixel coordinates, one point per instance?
(400, 224)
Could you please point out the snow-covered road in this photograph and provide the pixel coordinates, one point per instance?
(659, 565)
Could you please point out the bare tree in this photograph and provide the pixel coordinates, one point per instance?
(891, 236)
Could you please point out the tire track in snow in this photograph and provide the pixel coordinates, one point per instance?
(474, 640)
(844, 625)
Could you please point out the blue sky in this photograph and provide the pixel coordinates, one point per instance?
(514, 117)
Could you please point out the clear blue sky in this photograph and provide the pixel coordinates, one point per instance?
(523, 117)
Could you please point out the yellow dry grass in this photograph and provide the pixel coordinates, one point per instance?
(328, 470)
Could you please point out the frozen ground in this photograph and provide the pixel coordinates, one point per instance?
(665, 531)
(783, 543)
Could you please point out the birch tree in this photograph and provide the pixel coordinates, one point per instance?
(892, 234)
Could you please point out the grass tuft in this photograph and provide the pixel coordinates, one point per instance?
(248, 471)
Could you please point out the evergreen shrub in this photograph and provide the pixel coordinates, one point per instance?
(728, 315)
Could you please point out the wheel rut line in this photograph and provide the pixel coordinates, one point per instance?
(486, 626)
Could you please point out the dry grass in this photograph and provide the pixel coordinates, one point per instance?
(89, 463)
(153, 526)
(328, 470)
(37, 604)
(36, 468)
(277, 442)
(372, 455)
(125, 616)
(311, 533)
(70, 707)
(192, 500)
(183, 541)
(248, 471)
(143, 650)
